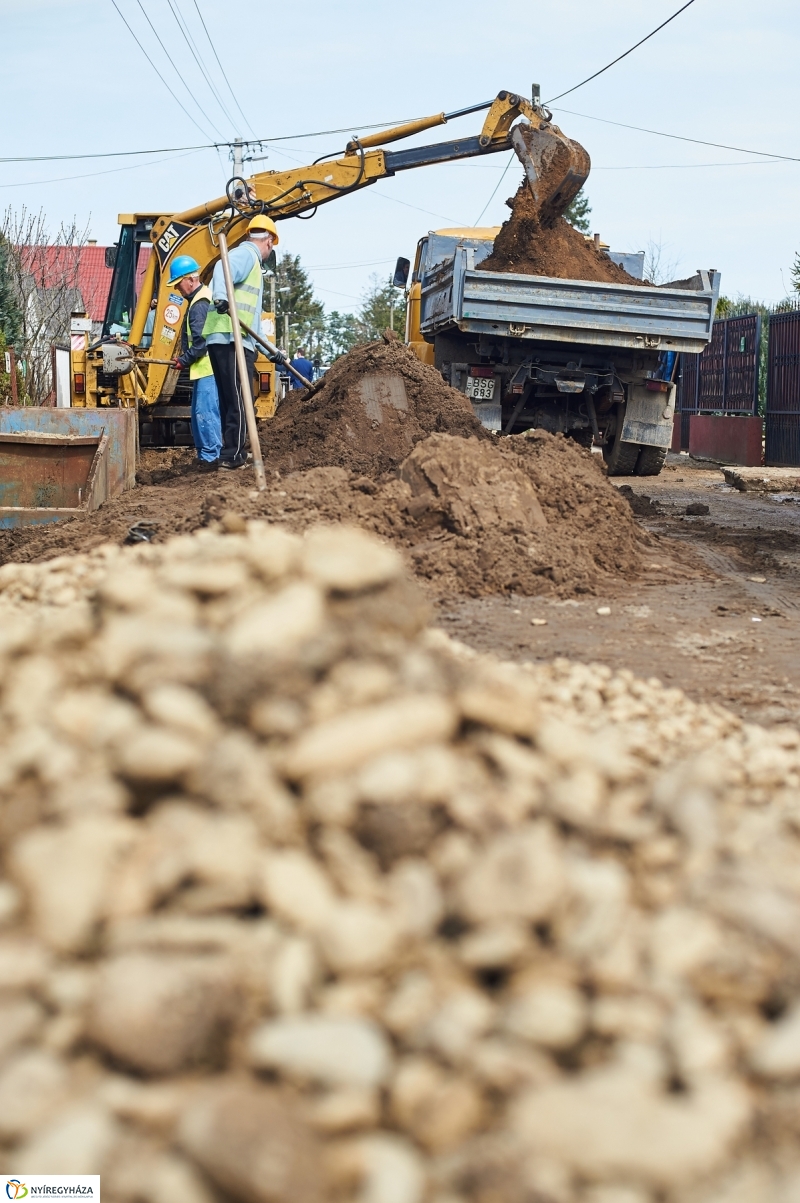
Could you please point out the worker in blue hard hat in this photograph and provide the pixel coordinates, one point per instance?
(184, 276)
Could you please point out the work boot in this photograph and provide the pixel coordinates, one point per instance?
(231, 464)
(207, 465)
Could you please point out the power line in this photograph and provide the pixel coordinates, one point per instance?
(494, 191)
(190, 42)
(222, 69)
(91, 174)
(160, 76)
(157, 36)
(742, 150)
(116, 154)
(622, 56)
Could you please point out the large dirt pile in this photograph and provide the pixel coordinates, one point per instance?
(298, 904)
(375, 404)
(525, 246)
(532, 514)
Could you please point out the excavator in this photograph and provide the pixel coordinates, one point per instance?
(129, 365)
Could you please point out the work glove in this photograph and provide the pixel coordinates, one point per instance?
(279, 359)
(176, 363)
(222, 306)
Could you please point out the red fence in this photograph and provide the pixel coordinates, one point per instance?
(724, 378)
(782, 419)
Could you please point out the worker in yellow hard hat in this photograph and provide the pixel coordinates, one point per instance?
(248, 287)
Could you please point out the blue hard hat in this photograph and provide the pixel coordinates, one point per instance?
(184, 265)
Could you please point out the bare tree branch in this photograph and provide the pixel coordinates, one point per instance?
(43, 275)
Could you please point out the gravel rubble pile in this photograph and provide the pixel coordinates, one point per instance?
(300, 901)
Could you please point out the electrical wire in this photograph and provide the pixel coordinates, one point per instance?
(160, 76)
(180, 21)
(620, 57)
(494, 191)
(116, 154)
(222, 69)
(742, 150)
(91, 174)
(176, 69)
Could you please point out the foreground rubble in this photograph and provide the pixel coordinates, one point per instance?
(302, 901)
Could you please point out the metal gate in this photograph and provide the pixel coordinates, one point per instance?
(782, 424)
(724, 378)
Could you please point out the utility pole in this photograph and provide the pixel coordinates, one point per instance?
(238, 164)
(286, 332)
(272, 295)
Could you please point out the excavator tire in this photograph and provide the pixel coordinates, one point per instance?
(621, 457)
(651, 460)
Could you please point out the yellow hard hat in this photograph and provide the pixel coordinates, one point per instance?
(264, 225)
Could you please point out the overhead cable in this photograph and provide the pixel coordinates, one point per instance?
(160, 76)
(494, 190)
(742, 150)
(176, 69)
(116, 154)
(622, 56)
(222, 69)
(180, 21)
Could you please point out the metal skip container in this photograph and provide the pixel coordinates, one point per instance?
(60, 463)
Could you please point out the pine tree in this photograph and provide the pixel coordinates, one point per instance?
(795, 272)
(342, 332)
(376, 310)
(577, 214)
(294, 296)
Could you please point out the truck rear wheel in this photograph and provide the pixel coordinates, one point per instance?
(620, 457)
(651, 460)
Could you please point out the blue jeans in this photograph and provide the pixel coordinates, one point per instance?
(206, 426)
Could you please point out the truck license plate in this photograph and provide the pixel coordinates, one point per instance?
(480, 388)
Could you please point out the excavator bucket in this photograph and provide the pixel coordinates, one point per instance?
(556, 168)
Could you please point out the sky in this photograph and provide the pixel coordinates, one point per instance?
(74, 81)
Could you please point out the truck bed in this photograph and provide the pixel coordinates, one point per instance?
(457, 296)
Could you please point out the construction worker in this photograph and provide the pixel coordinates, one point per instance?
(206, 427)
(248, 287)
(302, 365)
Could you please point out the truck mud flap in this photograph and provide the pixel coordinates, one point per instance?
(488, 413)
(648, 416)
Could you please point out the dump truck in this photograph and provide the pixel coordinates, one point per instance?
(129, 365)
(594, 361)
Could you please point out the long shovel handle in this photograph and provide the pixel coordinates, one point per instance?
(272, 350)
(244, 378)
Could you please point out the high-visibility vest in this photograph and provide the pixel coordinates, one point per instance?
(200, 367)
(248, 301)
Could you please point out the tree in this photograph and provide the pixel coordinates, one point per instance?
(577, 213)
(10, 315)
(795, 272)
(294, 298)
(41, 277)
(342, 332)
(383, 307)
(659, 266)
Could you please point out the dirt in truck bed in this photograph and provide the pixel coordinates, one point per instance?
(559, 251)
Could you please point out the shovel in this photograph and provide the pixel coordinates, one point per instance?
(274, 353)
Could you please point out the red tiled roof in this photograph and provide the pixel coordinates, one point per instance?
(88, 273)
(94, 280)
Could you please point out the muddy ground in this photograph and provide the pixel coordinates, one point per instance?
(695, 618)
(692, 617)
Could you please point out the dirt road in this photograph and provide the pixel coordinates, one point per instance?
(698, 618)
